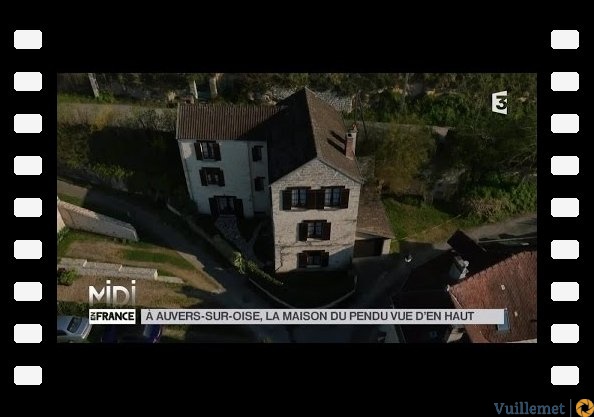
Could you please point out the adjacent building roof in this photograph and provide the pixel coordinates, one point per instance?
(298, 129)
(220, 122)
(509, 284)
(371, 217)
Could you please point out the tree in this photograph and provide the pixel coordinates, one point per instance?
(400, 155)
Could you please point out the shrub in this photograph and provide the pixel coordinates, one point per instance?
(62, 233)
(66, 276)
(493, 202)
(257, 274)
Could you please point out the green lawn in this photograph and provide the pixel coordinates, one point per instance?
(422, 223)
(77, 235)
(143, 255)
(72, 200)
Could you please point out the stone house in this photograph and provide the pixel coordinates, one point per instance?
(293, 162)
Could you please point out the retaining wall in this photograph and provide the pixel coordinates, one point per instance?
(80, 218)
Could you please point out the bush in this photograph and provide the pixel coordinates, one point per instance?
(66, 276)
(62, 233)
(494, 202)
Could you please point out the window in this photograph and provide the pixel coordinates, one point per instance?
(312, 259)
(257, 153)
(259, 183)
(298, 197)
(208, 151)
(332, 197)
(212, 176)
(314, 229)
(336, 197)
(226, 205)
(505, 326)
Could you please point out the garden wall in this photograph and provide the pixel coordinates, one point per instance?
(79, 218)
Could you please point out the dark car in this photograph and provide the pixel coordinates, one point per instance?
(148, 333)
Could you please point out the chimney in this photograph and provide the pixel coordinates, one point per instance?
(459, 268)
(351, 142)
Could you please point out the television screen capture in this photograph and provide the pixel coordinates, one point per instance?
(296, 208)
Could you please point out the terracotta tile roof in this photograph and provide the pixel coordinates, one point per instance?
(509, 284)
(220, 122)
(372, 218)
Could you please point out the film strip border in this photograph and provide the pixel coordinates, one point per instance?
(565, 203)
(30, 146)
(28, 204)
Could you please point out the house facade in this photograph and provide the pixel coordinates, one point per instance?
(294, 162)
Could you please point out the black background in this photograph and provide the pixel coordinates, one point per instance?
(426, 379)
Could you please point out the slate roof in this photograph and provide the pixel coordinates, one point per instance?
(309, 128)
(220, 121)
(298, 129)
(510, 284)
(371, 217)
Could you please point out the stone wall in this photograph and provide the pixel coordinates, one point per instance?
(61, 224)
(314, 174)
(79, 218)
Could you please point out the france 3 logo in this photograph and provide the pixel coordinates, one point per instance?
(499, 102)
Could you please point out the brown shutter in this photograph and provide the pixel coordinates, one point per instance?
(221, 178)
(325, 258)
(214, 207)
(302, 227)
(198, 150)
(217, 151)
(326, 230)
(203, 177)
(310, 199)
(287, 199)
(301, 260)
(344, 198)
(238, 204)
(320, 198)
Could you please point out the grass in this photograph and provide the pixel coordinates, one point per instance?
(138, 254)
(72, 200)
(93, 247)
(422, 222)
(76, 236)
